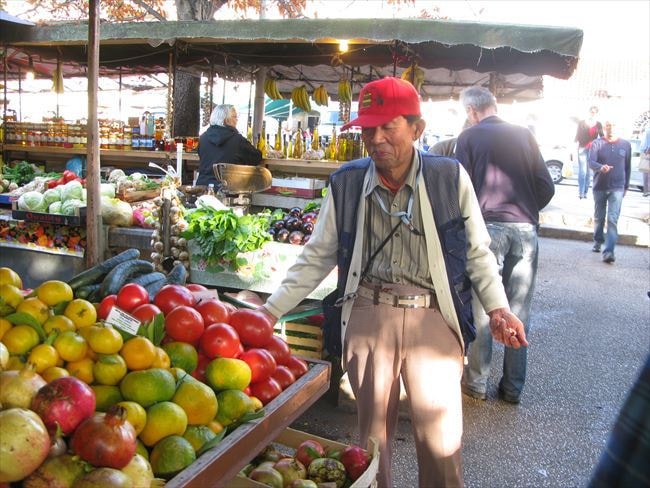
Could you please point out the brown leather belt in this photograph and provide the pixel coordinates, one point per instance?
(401, 301)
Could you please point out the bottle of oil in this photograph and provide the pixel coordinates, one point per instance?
(261, 141)
(315, 142)
(331, 149)
(342, 147)
(297, 148)
(278, 141)
(287, 146)
(249, 131)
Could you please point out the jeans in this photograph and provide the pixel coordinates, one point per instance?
(607, 202)
(584, 173)
(515, 247)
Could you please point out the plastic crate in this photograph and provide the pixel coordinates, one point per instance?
(303, 339)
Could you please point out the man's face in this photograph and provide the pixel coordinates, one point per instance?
(472, 116)
(608, 129)
(232, 119)
(391, 144)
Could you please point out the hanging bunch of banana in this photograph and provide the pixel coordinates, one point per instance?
(271, 89)
(57, 78)
(417, 75)
(321, 97)
(345, 91)
(300, 98)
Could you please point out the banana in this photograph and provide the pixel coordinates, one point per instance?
(271, 89)
(276, 91)
(345, 91)
(306, 104)
(417, 73)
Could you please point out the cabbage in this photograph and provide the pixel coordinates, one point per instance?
(72, 190)
(107, 190)
(115, 175)
(32, 201)
(116, 212)
(52, 195)
(69, 206)
(55, 208)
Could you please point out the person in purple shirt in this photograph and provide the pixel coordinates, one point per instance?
(611, 160)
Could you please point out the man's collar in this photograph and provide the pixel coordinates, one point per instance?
(373, 174)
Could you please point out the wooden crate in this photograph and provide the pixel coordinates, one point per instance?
(303, 339)
(293, 438)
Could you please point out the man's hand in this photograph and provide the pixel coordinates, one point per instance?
(272, 318)
(605, 168)
(507, 328)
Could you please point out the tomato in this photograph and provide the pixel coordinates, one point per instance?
(196, 287)
(105, 306)
(283, 376)
(146, 312)
(220, 340)
(199, 372)
(253, 327)
(297, 366)
(266, 390)
(261, 363)
(184, 324)
(279, 349)
(171, 296)
(231, 308)
(131, 296)
(52, 184)
(213, 311)
(247, 390)
(69, 175)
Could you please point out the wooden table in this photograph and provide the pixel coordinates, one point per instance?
(219, 465)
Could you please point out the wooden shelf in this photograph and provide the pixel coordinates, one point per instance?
(306, 167)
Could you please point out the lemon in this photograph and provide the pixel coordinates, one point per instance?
(198, 400)
(20, 339)
(135, 414)
(82, 369)
(104, 340)
(228, 374)
(54, 292)
(81, 312)
(70, 346)
(163, 419)
(9, 277)
(36, 308)
(58, 322)
(5, 325)
(109, 369)
(51, 374)
(16, 363)
(10, 298)
(43, 356)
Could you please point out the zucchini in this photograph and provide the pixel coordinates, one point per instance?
(122, 273)
(96, 273)
(153, 288)
(86, 291)
(177, 276)
(145, 279)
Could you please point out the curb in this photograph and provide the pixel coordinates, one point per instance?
(559, 232)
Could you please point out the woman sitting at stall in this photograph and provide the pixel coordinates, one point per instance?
(222, 143)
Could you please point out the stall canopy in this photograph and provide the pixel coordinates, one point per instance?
(511, 59)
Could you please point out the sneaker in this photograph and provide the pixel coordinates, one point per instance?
(472, 393)
(608, 257)
(509, 398)
(596, 247)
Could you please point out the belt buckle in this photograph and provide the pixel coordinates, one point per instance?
(412, 298)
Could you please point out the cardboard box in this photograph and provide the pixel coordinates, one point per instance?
(79, 218)
(297, 187)
(293, 438)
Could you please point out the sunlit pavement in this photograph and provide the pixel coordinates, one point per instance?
(569, 217)
(589, 336)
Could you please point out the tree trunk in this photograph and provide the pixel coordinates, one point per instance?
(187, 104)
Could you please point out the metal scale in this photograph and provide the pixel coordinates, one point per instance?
(239, 182)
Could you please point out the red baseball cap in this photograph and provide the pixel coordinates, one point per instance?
(380, 101)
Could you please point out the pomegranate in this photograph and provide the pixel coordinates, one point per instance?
(58, 447)
(267, 476)
(105, 440)
(308, 451)
(304, 484)
(17, 388)
(104, 478)
(24, 444)
(355, 460)
(65, 402)
(58, 472)
(324, 470)
(290, 469)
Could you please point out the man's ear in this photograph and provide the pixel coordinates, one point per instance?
(419, 128)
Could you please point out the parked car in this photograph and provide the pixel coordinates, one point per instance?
(562, 163)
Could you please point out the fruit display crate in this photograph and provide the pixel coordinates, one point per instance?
(221, 464)
(292, 438)
(303, 339)
(79, 218)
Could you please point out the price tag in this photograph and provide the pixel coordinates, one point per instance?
(203, 295)
(119, 319)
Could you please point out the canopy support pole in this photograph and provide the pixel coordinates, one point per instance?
(20, 95)
(93, 211)
(5, 51)
(120, 95)
(258, 108)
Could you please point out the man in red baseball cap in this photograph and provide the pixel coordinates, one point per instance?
(407, 235)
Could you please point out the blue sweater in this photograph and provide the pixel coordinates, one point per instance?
(618, 155)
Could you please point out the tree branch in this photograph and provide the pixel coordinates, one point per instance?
(142, 4)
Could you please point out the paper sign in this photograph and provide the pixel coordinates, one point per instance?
(200, 296)
(119, 319)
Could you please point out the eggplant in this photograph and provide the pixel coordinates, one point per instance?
(305, 239)
(282, 235)
(271, 232)
(309, 217)
(296, 212)
(296, 237)
(308, 227)
(293, 224)
(278, 224)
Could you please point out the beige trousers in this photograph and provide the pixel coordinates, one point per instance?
(383, 343)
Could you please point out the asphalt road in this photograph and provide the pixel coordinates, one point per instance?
(589, 335)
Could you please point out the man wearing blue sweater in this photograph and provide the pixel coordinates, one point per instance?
(610, 158)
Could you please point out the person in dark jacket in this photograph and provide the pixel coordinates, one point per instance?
(512, 184)
(222, 143)
(587, 132)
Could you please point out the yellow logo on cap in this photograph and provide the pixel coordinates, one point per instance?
(367, 100)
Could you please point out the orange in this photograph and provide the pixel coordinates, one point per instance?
(232, 405)
(58, 322)
(163, 419)
(162, 359)
(228, 374)
(15, 363)
(106, 396)
(104, 340)
(9, 277)
(43, 356)
(139, 353)
(198, 435)
(5, 325)
(54, 292)
(36, 308)
(215, 426)
(82, 369)
(81, 312)
(10, 298)
(182, 355)
(148, 386)
(198, 400)
(109, 369)
(51, 374)
(71, 346)
(20, 339)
